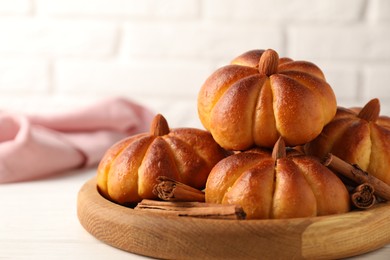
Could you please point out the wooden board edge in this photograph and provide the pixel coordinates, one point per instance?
(328, 237)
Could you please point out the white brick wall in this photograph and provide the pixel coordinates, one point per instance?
(14, 7)
(24, 75)
(45, 37)
(120, 8)
(278, 11)
(57, 54)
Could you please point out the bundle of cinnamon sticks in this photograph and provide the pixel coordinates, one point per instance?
(368, 189)
(192, 209)
(172, 190)
(183, 200)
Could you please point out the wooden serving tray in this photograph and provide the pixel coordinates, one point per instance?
(153, 235)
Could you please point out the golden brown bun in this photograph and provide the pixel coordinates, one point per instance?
(288, 187)
(259, 97)
(127, 173)
(357, 140)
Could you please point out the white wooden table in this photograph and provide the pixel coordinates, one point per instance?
(38, 220)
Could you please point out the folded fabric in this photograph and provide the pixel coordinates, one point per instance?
(37, 146)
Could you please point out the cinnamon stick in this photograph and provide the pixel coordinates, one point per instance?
(192, 209)
(356, 174)
(172, 190)
(363, 197)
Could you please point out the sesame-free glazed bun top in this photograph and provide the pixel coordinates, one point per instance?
(358, 136)
(127, 172)
(277, 186)
(260, 97)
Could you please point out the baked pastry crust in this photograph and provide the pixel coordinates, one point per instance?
(357, 140)
(128, 171)
(260, 97)
(288, 187)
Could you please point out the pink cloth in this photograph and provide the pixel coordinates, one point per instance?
(34, 147)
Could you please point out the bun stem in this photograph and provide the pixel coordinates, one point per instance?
(159, 126)
(269, 62)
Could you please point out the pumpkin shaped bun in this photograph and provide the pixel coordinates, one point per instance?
(277, 186)
(127, 172)
(259, 97)
(358, 136)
